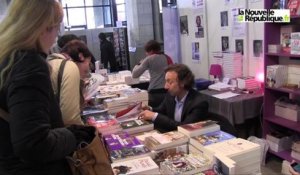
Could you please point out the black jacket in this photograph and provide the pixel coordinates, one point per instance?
(33, 142)
(194, 109)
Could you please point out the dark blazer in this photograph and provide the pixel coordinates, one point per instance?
(34, 141)
(194, 109)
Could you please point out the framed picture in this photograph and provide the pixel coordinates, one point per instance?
(184, 25)
(239, 46)
(257, 48)
(225, 43)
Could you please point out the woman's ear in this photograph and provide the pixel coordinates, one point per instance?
(81, 57)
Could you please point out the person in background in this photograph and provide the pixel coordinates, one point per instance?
(63, 40)
(71, 98)
(182, 104)
(155, 62)
(33, 138)
(107, 53)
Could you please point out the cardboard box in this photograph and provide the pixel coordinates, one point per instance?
(279, 144)
(287, 113)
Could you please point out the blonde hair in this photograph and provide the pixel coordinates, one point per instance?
(22, 26)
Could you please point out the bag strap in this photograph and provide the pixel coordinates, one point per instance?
(59, 78)
(4, 115)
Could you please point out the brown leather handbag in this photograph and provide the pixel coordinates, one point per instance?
(91, 159)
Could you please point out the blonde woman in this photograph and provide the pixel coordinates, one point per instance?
(33, 140)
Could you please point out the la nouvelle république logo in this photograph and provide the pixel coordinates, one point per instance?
(264, 15)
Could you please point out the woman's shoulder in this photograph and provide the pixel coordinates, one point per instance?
(30, 60)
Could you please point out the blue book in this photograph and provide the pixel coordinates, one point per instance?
(210, 138)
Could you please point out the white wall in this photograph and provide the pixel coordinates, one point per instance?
(200, 69)
(213, 33)
(256, 32)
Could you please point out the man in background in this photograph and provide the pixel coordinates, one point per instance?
(182, 104)
(107, 53)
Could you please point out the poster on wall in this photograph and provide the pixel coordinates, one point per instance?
(238, 28)
(257, 48)
(224, 18)
(184, 25)
(196, 52)
(225, 43)
(198, 4)
(239, 46)
(199, 30)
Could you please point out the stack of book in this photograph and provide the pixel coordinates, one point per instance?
(232, 65)
(135, 95)
(127, 97)
(165, 140)
(136, 126)
(112, 89)
(195, 129)
(144, 165)
(244, 153)
(106, 124)
(122, 146)
(204, 140)
(186, 164)
(93, 110)
(247, 83)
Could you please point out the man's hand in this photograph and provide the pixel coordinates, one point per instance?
(147, 108)
(146, 115)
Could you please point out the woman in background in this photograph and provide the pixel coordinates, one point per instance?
(155, 62)
(70, 94)
(33, 140)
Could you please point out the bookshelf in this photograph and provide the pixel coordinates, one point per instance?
(271, 122)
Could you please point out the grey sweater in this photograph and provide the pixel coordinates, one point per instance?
(156, 65)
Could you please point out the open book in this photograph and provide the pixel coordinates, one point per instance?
(91, 88)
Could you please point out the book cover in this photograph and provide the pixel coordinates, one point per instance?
(94, 110)
(137, 126)
(233, 147)
(103, 123)
(142, 165)
(213, 137)
(187, 164)
(128, 153)
(293, 5)
(285, 36)
(162, 155)
(160, 141)
(134, 123)
(121, 140)
(295, 43)
(129, 113)
(195, 129)
(91, 88)
(199, 125)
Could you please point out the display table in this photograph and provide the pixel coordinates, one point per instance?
(236, 109)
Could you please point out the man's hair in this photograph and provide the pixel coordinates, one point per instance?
(102, 36)
(63, 40)
(73, 48)
(152, 45)
(184, 74)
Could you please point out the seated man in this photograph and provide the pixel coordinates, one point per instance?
(182, 104)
